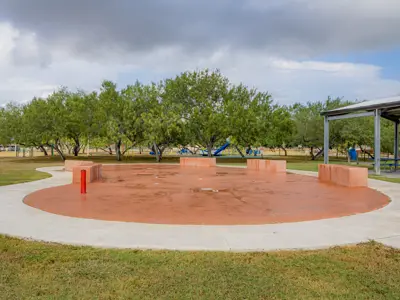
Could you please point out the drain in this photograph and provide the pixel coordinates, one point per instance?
(207, 190)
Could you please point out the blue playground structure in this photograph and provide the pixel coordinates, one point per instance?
(353, 154)
(222, 148)
(218, 151)
(251, 151)
(184, 151)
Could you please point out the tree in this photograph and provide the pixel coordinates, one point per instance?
(136, 100)
(164, 126)
(310, 124)
(200, 98)
(10, 122)
(80, 118)
(112, 107)
(282, 130)
(248, 116)
(55, 114)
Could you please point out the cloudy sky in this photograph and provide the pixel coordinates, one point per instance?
(298, 50)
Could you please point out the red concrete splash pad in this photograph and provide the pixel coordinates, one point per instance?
(169, 194)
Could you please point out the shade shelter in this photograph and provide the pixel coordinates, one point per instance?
(388, 108)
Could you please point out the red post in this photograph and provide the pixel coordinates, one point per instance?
(83, 181)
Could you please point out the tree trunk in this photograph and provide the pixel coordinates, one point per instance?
(366, 152)
(76, 149)
(320, 152)
(118, 150)
(284, 150)
(59, 151)
(161, 152)
(191, 152)
(312, 153)
(44, 150)
(156, 152)
(238, 150)
(126, 149)
(209, 150)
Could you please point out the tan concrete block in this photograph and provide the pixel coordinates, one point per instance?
(256, 164)
(277, 166)
(324, 172)
(93, 173)
(343, 175)
(70, 164)
(198, 161)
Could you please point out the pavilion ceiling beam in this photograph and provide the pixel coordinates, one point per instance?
(348, 116)
(389, 117)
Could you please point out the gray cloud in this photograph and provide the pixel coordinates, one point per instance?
(291, 28)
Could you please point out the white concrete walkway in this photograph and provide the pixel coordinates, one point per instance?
(18, 219)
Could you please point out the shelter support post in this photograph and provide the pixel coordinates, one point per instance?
(326, 140)
(396, 143)
(377, 144)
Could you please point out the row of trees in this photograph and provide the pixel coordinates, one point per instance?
(199, 109)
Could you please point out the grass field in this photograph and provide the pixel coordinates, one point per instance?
(34, 270)
(31, 270)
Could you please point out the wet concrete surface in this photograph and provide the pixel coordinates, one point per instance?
(168, 194)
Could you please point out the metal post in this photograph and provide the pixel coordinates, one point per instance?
(83, 181)
(377, 137)
(326, 140)
(396, 143)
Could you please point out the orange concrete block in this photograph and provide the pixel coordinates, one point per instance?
(335, 173)
(357, 177)
(343, 175)
(116, 167)
(198, 161)
(256, 164)
(70, 164)
(324, 173)
(278, 166)
(349, 176)
(93, 173)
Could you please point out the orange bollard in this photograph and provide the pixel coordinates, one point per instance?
(83, 181)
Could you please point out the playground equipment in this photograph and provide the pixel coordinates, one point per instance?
(219, 150)
(250, 151)
(183, 151)
(353, 156)
(222, 148)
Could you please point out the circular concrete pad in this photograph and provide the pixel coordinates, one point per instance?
(168, 194)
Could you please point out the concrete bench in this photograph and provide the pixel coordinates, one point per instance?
(70, 164)
(343, 175)
(93, 173)
(277, 166)
(198, 162)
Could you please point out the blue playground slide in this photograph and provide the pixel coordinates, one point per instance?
(222, 148)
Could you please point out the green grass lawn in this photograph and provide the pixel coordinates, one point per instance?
(18, 171)
(32, 270)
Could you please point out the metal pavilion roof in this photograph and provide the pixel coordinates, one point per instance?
(390, 108)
